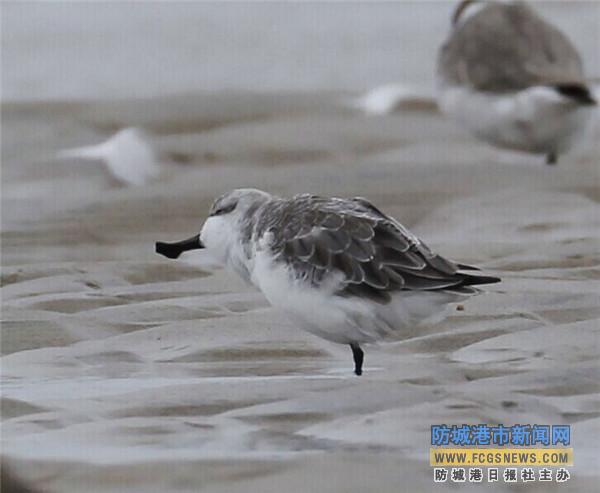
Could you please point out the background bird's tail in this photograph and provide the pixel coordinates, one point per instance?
(578, 92)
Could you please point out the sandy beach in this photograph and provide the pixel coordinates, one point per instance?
(124, 371)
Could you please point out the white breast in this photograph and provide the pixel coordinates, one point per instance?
(537, 119)
(340, 319)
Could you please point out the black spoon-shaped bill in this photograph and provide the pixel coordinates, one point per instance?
(174, 250)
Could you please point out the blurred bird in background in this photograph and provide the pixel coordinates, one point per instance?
(128, 156)
(513, 79)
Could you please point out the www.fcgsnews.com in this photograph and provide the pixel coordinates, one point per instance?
(501, 457)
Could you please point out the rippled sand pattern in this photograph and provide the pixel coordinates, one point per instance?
(123, 371)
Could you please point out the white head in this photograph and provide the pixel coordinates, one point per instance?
(228, 226)
(230, 218)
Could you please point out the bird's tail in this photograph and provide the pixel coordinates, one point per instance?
(474, 279)
(576, 91)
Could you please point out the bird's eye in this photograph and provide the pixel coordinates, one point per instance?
(224, 209)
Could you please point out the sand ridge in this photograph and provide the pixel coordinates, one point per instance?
(122, 369)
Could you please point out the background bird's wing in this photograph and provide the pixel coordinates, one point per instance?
(374, 253)
(506, 47)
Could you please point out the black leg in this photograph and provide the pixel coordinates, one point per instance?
(358, 354)
(551, 158)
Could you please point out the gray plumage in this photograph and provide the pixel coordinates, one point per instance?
(340, 268)
(508, 47)
(377, 256)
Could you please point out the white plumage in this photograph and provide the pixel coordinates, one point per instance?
(340, 268)
(535, 120)
(128, 156)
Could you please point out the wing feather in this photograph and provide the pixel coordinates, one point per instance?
(374, 253)
(362, 251)
(337, 241)
(303, 247)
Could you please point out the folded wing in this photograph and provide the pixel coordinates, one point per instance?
(375, 254)
(508, 47)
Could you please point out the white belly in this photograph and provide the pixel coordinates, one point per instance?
(341, 319)
(537, 120)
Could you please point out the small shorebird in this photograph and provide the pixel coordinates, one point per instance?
(128, 156)
(341, 268)
(513, 79)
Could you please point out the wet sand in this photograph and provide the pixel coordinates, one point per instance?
(125, 371)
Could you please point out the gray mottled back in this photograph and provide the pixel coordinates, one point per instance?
(376, 255)
(508, 47)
